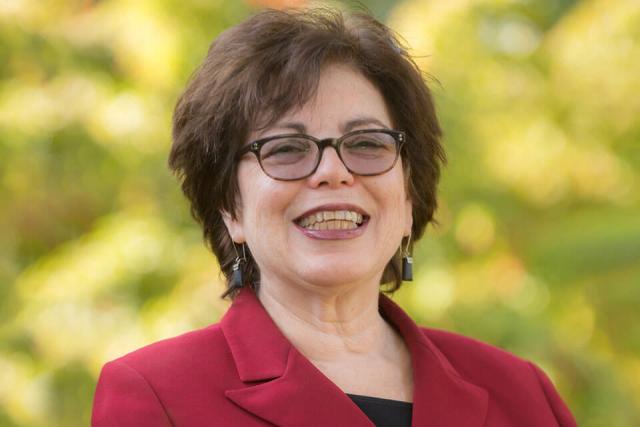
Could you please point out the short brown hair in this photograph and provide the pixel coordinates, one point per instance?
(260, 69)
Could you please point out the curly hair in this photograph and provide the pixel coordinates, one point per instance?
(264, 67)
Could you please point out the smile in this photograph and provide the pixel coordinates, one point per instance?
(331, 220)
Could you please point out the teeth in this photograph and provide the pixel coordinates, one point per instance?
(333, 225)
(332, 220)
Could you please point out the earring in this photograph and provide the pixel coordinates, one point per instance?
(237, 281)
(407, 263)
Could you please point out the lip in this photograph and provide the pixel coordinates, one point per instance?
(334, 234)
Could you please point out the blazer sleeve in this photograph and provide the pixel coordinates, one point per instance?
(559, 408)
(124, 398)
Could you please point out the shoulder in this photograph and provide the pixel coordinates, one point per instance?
(184, 376)
(467, 353)
(192, 345)
(191, 352)
(509, 379)
(481, 363)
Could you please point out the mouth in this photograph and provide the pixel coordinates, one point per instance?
(332, 219)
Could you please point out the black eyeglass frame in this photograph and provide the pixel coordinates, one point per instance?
(254, 147)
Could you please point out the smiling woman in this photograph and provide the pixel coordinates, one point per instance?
(329, 254)
(254, 85)
(309, 148)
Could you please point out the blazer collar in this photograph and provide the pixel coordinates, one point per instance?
(285, 388)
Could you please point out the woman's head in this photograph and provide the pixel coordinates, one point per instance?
(278, 65)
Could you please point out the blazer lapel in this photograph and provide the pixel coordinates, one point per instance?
(441, 398)
(282, 386)
(286, 389)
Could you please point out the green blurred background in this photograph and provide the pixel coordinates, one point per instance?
(538, 250)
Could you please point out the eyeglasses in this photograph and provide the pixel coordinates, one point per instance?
(296, 156)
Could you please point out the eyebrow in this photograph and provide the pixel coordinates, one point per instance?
(299, 127)
(361, 121)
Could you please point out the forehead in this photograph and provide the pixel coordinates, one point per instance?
(344, 100)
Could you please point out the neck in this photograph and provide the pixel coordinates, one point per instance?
(328, 325)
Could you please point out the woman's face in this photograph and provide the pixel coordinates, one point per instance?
(275, 218)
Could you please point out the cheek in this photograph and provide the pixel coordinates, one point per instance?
(264, 201)
(393, 201)
(404, 206)
(398, 186)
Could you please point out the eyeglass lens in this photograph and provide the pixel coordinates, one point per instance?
(367, 153)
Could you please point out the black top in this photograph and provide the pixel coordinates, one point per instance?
(384, 412)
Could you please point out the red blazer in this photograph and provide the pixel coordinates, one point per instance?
(243, 372)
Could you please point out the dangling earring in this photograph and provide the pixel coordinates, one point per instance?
(237, 281)
(407, 262)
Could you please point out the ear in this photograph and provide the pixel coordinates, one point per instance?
(408, 218)
(234, 227)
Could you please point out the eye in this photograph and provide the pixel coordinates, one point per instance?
(364, 144)
(369, 143)
(280, 147)
(286, 151)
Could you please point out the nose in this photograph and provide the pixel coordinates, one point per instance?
(331, 171)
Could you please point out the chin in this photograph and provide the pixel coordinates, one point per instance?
(338, 274)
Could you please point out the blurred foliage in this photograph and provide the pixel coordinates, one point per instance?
(538, 250)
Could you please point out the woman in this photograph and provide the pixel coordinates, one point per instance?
(308, 146)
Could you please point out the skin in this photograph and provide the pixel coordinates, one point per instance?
(323, 293)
